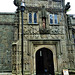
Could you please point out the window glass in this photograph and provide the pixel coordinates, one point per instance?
(30, 17)
(51, 19)
(55, 19)
(72, 35)
(35, 18)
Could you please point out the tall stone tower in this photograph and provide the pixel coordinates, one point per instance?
(48, 46)
(45, 40)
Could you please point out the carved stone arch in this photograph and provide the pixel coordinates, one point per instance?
(49, 48)
(42, 46)
(44, 61)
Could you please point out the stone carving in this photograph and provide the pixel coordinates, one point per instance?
(44, 25)
(44, 31)
(40, 37)
(31, 30)
(43, 12)
(56, 30)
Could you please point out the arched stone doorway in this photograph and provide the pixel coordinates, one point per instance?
(44, 62)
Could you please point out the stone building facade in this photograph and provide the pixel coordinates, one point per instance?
(48, 44)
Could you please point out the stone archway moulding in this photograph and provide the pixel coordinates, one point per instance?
(50, 47)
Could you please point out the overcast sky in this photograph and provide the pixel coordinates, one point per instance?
(8, 6)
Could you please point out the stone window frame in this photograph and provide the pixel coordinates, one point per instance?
(53, 15)
(33, 18)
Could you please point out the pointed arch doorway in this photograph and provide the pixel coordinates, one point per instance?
(44, 62)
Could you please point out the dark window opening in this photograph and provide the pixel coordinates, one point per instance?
(73, 35)
(30, 17)
(35, 17)
(51, 19)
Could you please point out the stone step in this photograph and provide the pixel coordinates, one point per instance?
(5, 73)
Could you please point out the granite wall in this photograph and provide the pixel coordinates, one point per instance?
(6, 39)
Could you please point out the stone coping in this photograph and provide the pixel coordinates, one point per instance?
(7, 13)
(5, 73)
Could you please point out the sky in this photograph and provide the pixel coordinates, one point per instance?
(72, 8)
(8, 6)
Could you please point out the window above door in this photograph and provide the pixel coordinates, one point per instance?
(53, 19)
(32, 18)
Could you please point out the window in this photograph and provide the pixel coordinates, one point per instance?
(30, 17)
(55, 19)
(73, 36)
(51, 19)
(35, 18)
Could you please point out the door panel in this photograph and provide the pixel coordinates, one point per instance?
(44, 62)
